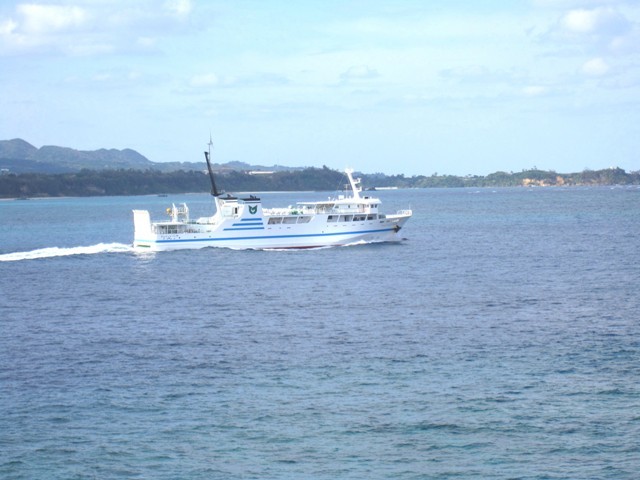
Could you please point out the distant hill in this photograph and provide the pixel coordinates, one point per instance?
(18, 156)
(27, 171)
(16, 148)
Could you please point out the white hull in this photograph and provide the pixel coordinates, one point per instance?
(315, 233)
(242, 223)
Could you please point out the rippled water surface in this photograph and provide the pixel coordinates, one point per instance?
(500, 340)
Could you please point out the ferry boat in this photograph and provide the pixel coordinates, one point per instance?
(243, 223)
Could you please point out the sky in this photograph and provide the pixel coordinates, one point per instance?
(458, 87)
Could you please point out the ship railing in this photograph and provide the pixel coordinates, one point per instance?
(290, 211)
(314, 210)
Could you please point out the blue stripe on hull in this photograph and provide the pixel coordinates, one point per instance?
(264, 237)
(243, 228)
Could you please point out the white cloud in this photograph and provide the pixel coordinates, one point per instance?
(625, 44)
(596, 21)
(90, 28)
(581, 21)
(178, 7)
(7, 27)
(596, 67)
(37, 26)
(596, 32)
(45, 19)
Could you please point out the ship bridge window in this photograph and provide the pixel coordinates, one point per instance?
(170, 229)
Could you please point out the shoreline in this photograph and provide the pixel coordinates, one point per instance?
(270, 192)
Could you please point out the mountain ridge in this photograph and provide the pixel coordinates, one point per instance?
(19, 156)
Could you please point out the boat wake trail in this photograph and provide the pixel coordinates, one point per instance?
(64, 252)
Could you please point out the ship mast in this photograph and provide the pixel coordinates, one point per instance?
(354, 182)
(214, 190)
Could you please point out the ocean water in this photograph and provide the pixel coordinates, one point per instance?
(499, 340)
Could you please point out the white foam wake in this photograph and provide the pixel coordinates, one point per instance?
(63, 252)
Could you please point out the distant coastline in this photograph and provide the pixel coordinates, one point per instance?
(148, 182)
(28, 172)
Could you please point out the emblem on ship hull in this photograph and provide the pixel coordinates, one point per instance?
(253, 210)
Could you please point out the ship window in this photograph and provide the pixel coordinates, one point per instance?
(289, 220)
(274, 220)
(305, 219)
(332, 218)
(358, 218)
(371, 217)
(346, 218)
(170, 229)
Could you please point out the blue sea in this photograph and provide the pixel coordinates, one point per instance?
(499, 340)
